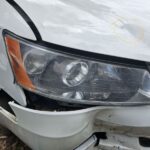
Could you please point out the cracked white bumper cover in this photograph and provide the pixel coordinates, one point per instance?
(43, 130)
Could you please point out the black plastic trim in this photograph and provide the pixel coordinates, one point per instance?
(83, 54)
(144, 142)
(99, 57)
(26, 18)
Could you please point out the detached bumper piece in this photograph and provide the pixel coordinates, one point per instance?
(45, 130)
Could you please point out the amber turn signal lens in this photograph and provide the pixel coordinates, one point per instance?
(13, 47)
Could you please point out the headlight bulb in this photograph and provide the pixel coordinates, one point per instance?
(75, 73)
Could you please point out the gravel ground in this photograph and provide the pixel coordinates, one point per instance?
(8, 141)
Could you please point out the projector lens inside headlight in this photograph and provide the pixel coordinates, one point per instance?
(75, 73)
(74, 79)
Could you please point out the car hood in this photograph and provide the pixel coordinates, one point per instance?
(111, 27)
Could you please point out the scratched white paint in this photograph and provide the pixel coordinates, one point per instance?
(113, 27)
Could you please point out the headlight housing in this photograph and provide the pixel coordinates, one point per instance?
(74, 79)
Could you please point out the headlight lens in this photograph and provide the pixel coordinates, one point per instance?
(70, 78)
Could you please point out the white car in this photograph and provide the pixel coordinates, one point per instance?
(77, 72)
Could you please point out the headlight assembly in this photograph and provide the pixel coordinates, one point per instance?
(74, 79)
